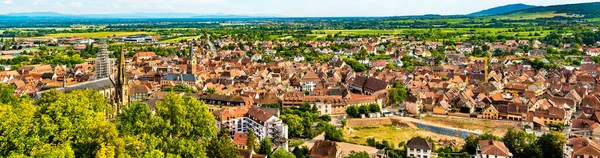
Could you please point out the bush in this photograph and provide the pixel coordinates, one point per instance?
(465, 109)
(374, 108)
(325, 118)
(353, 111)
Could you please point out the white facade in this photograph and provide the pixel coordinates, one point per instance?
(308, 86)
(418, 153)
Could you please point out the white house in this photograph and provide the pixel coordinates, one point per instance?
(242, 119)
(298, 58)
(492, 148)
(256, 57)
(419, 148)
(309, 81)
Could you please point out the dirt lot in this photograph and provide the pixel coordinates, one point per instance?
(396, 135)
(496, 127)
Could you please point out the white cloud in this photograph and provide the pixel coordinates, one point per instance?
(7, 1)
(35, 3)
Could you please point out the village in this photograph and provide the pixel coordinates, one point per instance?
(246, 91)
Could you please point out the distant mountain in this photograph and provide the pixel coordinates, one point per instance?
(132, 15)
(586, 9)
(37, 14)
(503, 9)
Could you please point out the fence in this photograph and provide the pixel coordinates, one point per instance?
(445, 131)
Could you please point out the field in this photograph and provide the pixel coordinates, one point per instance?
(179, 39)
(395, 135)
(98, 34)
(495, 127)
(532, 16)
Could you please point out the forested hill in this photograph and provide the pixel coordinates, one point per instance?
(586, 9)
(503, 9)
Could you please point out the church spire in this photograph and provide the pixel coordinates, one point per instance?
(121, 86)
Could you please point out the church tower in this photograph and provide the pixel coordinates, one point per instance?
(191, 61)
(121, 86)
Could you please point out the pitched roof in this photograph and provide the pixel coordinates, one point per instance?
(324, 149)
(374, 84)
(258, 114)
(419, 143)
(492, 147)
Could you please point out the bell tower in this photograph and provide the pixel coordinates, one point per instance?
(191, 61)
(121, 86)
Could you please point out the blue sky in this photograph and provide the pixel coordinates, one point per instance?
(269, 7)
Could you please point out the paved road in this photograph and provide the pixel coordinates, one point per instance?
(211, 44)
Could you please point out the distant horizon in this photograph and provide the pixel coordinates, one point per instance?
(273, 8)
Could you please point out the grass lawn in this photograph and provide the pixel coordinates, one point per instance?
(296, 143)
(393, 134)
(495, 127)
(98, 34)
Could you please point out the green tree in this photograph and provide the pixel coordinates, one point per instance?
(551, 144)
(352, 111)
(252, 140)
(211, 90)
(517, 140)
(334, 134)
(280, 153)
(295, 124)
(266, 146)
(354, 154)
(374, 108)
(7, 95)
(397, 94)
(136, 119)
(301, 152)
(363, 109)
(222, 146)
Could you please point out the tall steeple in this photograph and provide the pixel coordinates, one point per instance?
(191, 61)
(121, 86)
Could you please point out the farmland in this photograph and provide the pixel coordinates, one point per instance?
(98, 34)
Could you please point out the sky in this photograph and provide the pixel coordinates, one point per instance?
(304, 8)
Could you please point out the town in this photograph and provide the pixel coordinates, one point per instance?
(337, 95)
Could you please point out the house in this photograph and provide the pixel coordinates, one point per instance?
(79, 46)
(490, 112)
(442, 108)
(537, 52)
(309, 81)
(552, 115)
(413, 105)
(378, 64)
(373, 85)
(592, 51)
(144, 55)
(179, 79)
(256, 57)
(242, 119)
(298, 58)
(325, 149)
(492, 148)
(581, 147)
(419, 148)
(251, 154)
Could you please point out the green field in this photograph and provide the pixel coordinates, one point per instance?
(179, 39)
(98, 34)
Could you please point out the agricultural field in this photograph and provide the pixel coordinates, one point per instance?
(532, 16)
(179, 39)
(98, 34)
(495, 127)
(395, 135)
